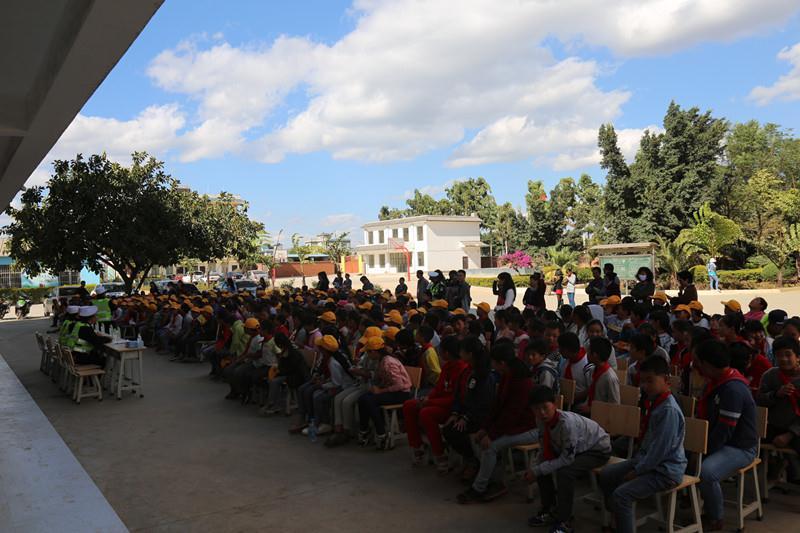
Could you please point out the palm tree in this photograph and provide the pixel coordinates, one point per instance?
(561, 257)
(672, 258)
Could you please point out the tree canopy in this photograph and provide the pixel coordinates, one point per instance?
(94, 213)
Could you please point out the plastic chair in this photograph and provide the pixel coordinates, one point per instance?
(743, 510)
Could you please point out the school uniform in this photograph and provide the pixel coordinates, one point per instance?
(430, 368)
(392, 378)
(472, 403)
(604, 386)
(728, 406)
(436, 409)
(580, 371)
(659, 463)
(546, 373)
(571, 445)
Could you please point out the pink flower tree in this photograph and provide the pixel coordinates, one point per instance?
(516, 260)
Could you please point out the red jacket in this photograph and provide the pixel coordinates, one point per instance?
(758, 366)
(447, 384)
(511, 413)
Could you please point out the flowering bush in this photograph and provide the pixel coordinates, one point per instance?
(516, 260)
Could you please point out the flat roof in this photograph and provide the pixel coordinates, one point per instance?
(634, 246)
(422, 218)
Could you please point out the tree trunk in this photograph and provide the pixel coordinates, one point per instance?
(780, 277)
(797, 266)
(673, 280)
(145, 273)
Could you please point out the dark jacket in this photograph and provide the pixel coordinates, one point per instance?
(732, 417)
(293, 366)
(473, 399)
(642, 290)
(511, 413)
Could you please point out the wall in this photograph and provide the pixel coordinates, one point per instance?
(292, 270)
(444, 245)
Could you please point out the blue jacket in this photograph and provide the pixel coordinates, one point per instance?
(732, 417)
(661, 451)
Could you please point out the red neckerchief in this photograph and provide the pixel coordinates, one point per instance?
(786, 379)
(568, 371)
(677, 359)
(547, 445)
(598, 371)
(649, 407)
(730, 375)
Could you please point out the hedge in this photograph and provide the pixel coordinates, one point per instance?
(584, 276)
(36, 294)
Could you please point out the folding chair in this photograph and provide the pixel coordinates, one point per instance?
(622, 376)
(567, 387)
(629, 395)
(622, 364)
(390, 411)
(781, 482)
(687, 404)
(743, 509)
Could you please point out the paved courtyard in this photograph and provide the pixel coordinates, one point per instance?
(184, 459)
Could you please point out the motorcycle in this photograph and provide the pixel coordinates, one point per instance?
(23, 306)
(3, 309)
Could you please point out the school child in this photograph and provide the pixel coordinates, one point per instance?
(472, 404)
(426, 413)
(544, 370)
(251, 351)
(391, 386)
(408, 351)
(755, 335)
(552, 331)
(729, 329)
(660, 321)
(647, 329)
(571, 445)
(521, 338)
(681, 355)
(292, 371)
(660, 462)
(605, 383)
(728, 406)
(697, 316)
(641, 347)
(595, 328)
(510, 423)
(780, 392)
(429, 361)
(502, 329)
(576, 365)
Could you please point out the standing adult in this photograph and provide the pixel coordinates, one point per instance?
(713, 278)
(534, 294)
(366, 284)
(323, 284)
(611, 280)
(103, 308)
(687, 292)
(503, 287)
(596, 289)
(338, 281)
(464, 291)
(645, 285)
(571, 280)
(348, 283)
(422, 286)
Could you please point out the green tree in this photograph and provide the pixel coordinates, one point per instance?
(540, 224)
(779, 249)
(587, 214)
(561, 257)
(672, 257)
(622, 198)
(337, 247)
(97, 213)
(710, 233)
(302, 251)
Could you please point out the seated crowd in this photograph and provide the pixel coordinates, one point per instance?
(490, 377)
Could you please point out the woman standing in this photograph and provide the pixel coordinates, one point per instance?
(558, 288)
(572, 279)
(645, 286)
(505, 290)
(713, 278)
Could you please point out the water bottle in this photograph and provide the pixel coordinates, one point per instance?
(139, 341)
(312, 430)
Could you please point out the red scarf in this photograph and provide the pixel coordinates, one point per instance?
(547, 445)
(731, 374)
(786, 379)
(598, 371)
(568, 371)
(649, 407)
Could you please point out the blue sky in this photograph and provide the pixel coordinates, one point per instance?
(319, 112)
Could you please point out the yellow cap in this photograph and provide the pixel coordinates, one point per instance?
(483, 306)
(251, 323)
(441, 304)
(394, 317)
(366, 306)
(733, 305)
(458, 312)
(390, 333)
(695, 305)
(374, 343)
(611, 300)
(328, 343)
(683, 307)
(661, 296)
(328, 317)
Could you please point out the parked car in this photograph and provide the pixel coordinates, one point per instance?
(214, 277)
(113, 289)
(246, 284)
(198, 277)
(255, 275)
(163, 286)
(67, 292)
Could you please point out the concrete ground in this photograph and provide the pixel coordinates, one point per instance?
(184, 459)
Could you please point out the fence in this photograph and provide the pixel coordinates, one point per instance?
(10, 278)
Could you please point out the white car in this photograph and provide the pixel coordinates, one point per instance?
(246, 284)
(255, 275)
(113, 289)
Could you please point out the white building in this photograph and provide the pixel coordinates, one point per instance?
(443, 242)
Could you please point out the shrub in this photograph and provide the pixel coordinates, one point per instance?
(36, 294)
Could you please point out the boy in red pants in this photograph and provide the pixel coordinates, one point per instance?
(427, 413)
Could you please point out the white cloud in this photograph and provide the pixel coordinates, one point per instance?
(627, 140)
(431, 190)
(417, 76)
(340, 220)
(788, 86)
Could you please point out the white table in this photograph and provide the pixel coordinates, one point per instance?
(120, 354)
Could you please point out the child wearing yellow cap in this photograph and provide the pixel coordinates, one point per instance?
(392, 386)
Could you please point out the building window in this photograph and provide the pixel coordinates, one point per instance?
(382, 260)
(394, 233)
(405, 234)
(381, 236)
(370, 238)
(371, 261)
(421, 259)
(420, 233)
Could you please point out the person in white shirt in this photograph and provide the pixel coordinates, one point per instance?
(571, 280)
(505, 290)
